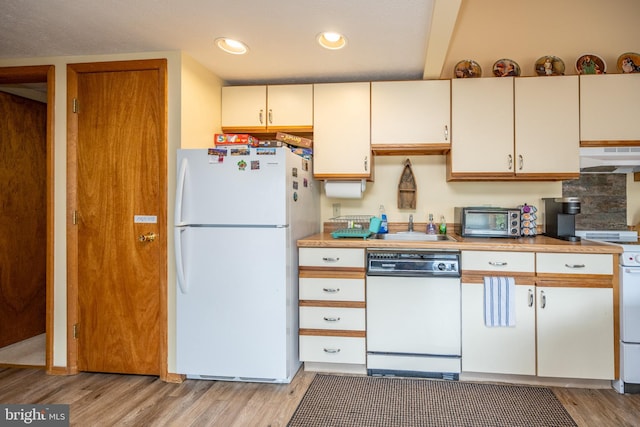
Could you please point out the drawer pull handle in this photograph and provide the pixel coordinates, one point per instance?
(574, 265)
(498, 263)
(331, 290)
(330, 259)
(332, 350)
(331, 319)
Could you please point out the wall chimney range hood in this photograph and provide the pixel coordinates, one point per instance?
(609, 159)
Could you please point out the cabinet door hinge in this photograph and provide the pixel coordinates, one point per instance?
(75, 331)
(75, 105)
(74, 217)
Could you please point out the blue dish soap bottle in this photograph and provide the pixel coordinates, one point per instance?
(384, 226)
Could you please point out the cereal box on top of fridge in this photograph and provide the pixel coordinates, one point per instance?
(235, 139)
(295, 140)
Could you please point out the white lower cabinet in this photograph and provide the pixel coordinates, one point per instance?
(575, 332)
(333, 318)
(564, 316)
(332, 349)
(332, 309)
(559, 332)
(498, 350)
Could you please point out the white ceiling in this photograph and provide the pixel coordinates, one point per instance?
(387, 39)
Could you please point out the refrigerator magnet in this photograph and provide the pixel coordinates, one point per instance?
(242, 165)
(255, 165)
(216, 155)
(305, 183)
(294, 172)
(305, 165)
(295, 185)
(265, 151)
(242, 151)
(295, 196)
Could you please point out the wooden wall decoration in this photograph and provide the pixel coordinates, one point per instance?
(407, 188)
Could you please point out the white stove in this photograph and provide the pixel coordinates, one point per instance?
(629, 381)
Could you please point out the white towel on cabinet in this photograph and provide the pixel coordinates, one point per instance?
(499, 301)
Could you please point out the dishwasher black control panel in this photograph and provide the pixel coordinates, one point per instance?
(441, 263)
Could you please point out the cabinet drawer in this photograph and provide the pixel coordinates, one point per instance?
(574, 263)
(498, 261)
(337, 318)
(326, 289)
(331, 257)
(332, 349)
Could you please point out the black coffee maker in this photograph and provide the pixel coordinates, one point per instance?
(560, 217)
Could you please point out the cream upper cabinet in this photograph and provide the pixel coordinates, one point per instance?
(244, 106)
(609, 108)
(290, 106)
(515, 128)
(264, 108)
(410, 116)
(547, 125)
(482, 127)
(341, 131)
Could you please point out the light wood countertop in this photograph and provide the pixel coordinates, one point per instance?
(523, 244)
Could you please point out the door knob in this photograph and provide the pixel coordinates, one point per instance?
(149, 237)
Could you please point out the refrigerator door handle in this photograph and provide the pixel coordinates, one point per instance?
(182, 283)
(182, 176)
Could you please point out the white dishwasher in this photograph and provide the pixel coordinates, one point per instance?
(413, 313)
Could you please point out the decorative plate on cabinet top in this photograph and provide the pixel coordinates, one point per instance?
(590, 64)
(629, 63)
(506, 68)
(467, 68)
(549, 66)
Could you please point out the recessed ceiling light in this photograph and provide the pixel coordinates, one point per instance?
(332, 40)
(231, 46)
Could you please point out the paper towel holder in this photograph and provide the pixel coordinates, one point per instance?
(363, 184)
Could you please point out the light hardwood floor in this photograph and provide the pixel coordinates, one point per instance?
(30, 352)
(130, 400)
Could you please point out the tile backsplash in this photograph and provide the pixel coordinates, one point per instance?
(603, 200)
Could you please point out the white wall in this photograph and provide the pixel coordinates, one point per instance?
(523, 31)
(437, 196)
(200, 119)
(434, 194)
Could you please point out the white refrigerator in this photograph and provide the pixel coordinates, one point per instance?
(238, 215)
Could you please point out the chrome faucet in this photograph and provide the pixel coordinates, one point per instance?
(410, 223)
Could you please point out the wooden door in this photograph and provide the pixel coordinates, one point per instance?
(23, 210)
(120, 196)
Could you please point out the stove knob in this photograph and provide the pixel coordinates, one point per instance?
(442, 267)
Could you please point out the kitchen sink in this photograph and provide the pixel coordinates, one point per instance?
(416, 236)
